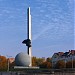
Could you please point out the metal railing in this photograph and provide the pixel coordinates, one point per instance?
(41, 72)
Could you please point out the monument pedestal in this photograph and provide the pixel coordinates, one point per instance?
(23, 67)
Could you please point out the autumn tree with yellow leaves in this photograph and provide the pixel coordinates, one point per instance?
(60, 64)
(3, 63)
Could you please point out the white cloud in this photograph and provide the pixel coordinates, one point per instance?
(43, 30)
(6, 11)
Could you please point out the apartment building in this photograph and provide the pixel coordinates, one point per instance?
(67, 56)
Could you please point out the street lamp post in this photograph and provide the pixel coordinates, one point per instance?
(8, 62)
(8, 65)
(65, 62)
(72, 61)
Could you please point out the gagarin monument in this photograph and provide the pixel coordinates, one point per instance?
(25, 59)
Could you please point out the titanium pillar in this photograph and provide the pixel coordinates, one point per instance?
(28, 40)
(29, 34)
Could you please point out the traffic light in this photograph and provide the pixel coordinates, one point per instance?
(27, 42)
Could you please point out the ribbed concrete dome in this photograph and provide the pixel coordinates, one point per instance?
(22, 59)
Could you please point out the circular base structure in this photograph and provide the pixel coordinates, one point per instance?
(22, 59)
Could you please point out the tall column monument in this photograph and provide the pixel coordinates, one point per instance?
(24, 60)
(29, 37)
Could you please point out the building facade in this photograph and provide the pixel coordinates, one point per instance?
(67, 56)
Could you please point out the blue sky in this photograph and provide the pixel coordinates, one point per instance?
(52, 26)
